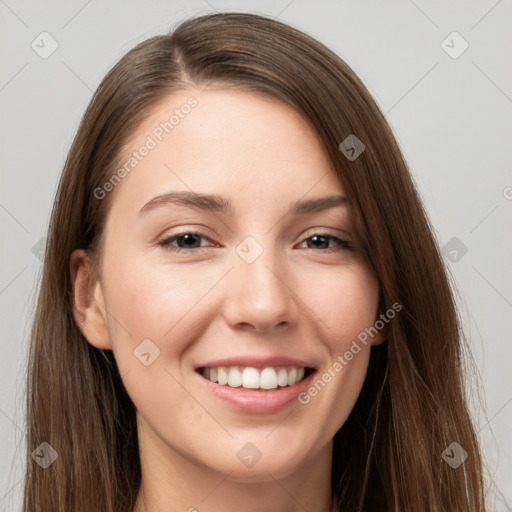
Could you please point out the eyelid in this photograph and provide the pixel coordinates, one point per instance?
(194, 229)
(335, 232)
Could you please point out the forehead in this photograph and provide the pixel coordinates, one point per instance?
(226, 140)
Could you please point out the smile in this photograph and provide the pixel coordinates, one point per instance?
(248, 377)
(226, 384)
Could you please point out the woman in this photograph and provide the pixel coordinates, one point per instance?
(259, 370)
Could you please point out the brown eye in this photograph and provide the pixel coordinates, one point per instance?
(185, 242)
(321, 241)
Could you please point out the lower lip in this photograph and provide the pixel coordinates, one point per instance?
(257, 402)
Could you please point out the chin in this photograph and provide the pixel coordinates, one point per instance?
(267, 468)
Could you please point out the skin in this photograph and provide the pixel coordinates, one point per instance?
(296, 299)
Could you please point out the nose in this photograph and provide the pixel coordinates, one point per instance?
(260, 294)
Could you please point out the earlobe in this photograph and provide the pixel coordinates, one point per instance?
(382, 326)
(380, 337)
(88, 303)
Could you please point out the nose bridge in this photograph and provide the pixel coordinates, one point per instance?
(259, 292)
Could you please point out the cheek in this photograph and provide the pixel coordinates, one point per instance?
(150, 307)
(155, 301)
(347, 303)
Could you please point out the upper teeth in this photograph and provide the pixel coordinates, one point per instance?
(254, 378)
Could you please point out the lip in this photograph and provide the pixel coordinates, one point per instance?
(257, 362)
(256, 402)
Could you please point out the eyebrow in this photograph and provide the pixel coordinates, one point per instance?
(219, 204)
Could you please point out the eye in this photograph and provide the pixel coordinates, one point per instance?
(188, 241)
(321, 239)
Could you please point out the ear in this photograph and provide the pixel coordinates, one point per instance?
(88, 303)
(382, 326)
(379, 338)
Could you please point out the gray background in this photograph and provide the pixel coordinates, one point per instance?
(450, 113)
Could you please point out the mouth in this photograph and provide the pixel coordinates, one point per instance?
(255, 390)
(272, 378)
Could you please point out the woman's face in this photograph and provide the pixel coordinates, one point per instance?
(253, 284)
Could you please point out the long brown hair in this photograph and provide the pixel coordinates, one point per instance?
(413, 405)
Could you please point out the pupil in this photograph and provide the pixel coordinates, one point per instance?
(316, 238)
(189, 239)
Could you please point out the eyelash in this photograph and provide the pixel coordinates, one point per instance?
(166, 242)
